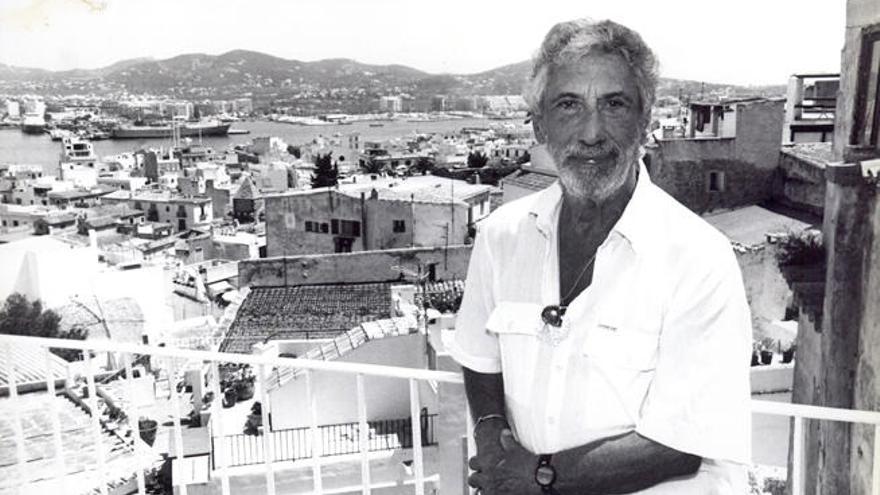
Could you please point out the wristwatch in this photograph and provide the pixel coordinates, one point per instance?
(545, 474)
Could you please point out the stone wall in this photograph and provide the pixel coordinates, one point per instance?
(286, 216)
(802, 183)
(364, 266)
(687, 179)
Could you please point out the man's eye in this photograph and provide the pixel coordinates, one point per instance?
(616, 103)
(567, 105)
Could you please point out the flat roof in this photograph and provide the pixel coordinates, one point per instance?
(751, 224)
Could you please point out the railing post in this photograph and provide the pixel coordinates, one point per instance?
(178, 431)
(16, 420)
(54, 412)
(220, 455)
(797, 457)
(875, 471)
(96, 423)
(416, 420)
(317, 444)
(364, 435)
(268, 440)
(134, 422)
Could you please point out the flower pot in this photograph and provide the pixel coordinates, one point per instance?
(788, 355)
(147, 428)
(756, 360)
(230, 396)
(244, 390)
(766, 357)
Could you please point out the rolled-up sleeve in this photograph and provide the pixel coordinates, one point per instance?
(698, 401)
(473, 347)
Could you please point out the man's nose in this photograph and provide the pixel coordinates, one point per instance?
(591, 128)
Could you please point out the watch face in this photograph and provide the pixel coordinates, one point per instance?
(545, 475)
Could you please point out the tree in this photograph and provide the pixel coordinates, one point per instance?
(22, 317)
(326, 173)
(424, 165)
(524, 158)
(294, 150)
(477, 160)
(373, 166)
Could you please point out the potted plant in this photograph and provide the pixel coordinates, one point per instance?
(244, 385)
(230, 397)
(788, 354)
(147, 428)
(801, 256)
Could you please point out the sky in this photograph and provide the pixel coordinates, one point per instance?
(749, 42)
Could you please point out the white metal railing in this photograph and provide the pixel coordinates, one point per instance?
(262, 364)
(359, 372)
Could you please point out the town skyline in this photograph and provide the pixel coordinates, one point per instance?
(67, 34)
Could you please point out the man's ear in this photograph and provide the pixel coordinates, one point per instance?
(538, 129)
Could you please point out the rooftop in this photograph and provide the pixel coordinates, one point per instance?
(305, 312)
(816, 153)
(421, 189)
(533, 181)
(123, 318)
(157, 196)
(750, 225)
(30, 365)
(99, 190)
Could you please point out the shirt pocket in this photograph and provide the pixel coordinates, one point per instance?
(517, 326)
(626, 345)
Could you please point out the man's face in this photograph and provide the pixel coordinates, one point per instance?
(590, 123)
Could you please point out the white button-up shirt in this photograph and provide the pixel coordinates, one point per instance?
(660, 341)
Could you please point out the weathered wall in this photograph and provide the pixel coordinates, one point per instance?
(758, 127)
(867, 372)
(380, 221)
(364, 266)
(766, 290)
(802, 183)
(435, 222)
(808, 389)
(286, 216)
(859, 14)
(687, 179)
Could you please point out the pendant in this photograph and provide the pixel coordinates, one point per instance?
(556, 327)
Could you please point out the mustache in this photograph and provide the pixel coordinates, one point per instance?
(586, 152)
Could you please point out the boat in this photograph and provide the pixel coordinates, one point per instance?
(377, 124)
(239, 131)
(198, 129)
(33, 123)
(59, 134)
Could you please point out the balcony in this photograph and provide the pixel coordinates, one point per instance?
(348, 457)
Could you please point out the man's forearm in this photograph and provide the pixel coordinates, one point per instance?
(485, 393)
(621, 464)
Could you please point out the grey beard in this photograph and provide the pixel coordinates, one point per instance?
(584, 183)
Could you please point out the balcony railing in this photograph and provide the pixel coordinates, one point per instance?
(315, 435)
(295, 444)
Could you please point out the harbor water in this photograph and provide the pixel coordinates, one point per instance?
(17, 147)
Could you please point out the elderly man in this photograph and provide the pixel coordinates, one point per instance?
(604, 330)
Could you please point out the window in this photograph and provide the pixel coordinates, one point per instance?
(715, 181)
(866, 131)
(167, 208)
(310, 227)
(399, 226)
(334, 226)
(4, 223)
(350, 228)
(15, 223)
(325, 228)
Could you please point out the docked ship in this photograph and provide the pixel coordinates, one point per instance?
(33, 123)
(188, 129)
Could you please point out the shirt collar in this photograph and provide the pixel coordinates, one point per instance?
(635, 224)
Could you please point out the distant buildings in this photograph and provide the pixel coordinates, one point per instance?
(183, 212)
(375, 214)
(810, 104)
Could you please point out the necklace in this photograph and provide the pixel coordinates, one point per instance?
(556, 329)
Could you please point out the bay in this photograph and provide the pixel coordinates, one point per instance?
(17, 147)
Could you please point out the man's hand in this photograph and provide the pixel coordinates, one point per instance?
(507, 468)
